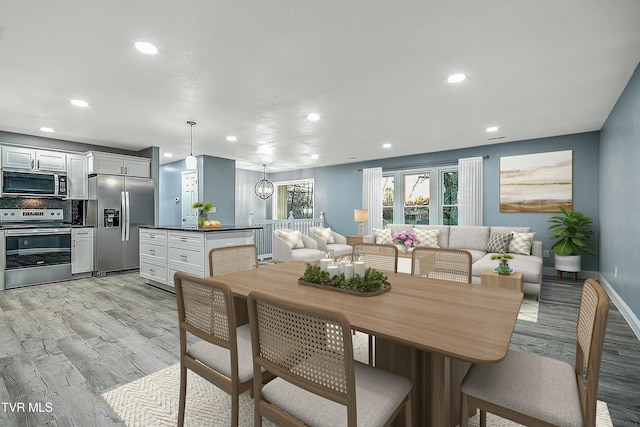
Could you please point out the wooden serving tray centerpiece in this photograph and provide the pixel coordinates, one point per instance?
(371, 284)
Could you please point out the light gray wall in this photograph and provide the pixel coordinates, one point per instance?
(619, 201)
(246, 200)
(217, 185)
(338, 189)
(170, 187)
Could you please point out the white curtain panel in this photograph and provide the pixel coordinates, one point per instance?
(470, 191)
(372, 198)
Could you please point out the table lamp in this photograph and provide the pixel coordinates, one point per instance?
(361, 216)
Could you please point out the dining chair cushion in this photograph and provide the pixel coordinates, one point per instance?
(324, 233)
(379, 394)
(428, 238)
(292, 238)
(550, 392)
(219, 359)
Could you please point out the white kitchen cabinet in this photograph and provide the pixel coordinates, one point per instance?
(27, 158)
(77, 181)
(165, 251)
(115, 164)
(81, 250)
(153, 255)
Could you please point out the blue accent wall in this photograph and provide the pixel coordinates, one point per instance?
(170, 187)
(246, 200)
(619, 195)
(218, 185)
(338, 189)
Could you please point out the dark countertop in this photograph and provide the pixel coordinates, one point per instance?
(205, 230)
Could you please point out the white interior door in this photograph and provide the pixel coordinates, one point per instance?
(189, 197)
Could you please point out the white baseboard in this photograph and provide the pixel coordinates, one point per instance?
(622, 307)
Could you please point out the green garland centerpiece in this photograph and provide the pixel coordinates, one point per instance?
(372, 281)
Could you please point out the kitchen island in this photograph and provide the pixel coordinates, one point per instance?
(167, 249)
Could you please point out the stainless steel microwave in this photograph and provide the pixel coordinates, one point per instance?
(34, 183)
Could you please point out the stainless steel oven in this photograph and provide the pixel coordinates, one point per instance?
(35, 250)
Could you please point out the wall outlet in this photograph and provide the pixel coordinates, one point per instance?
(615, 272)
(545, 253)
(213, 209)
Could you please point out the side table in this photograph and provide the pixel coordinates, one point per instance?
(492, 279)
(352, 240)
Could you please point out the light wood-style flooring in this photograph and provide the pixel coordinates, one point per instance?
(63, 344)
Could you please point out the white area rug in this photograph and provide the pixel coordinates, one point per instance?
(152, 401)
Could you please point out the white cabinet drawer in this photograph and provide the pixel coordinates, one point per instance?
(153, 251)
(153, 271)
(186, 258)
(155, 235)
(186, 238)
(173, 270)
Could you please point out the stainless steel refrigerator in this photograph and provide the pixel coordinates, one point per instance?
(117, 206)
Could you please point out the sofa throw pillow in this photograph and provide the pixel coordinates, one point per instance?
(521, 243)
(383, 236)
(428, 238)
(292, 238)
(499, 243)
(324, 233)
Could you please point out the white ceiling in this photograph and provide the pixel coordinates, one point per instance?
(376, 71)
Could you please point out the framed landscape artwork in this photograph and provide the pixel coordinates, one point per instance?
(536, 182)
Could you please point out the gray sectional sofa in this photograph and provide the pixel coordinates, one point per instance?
(474, 239)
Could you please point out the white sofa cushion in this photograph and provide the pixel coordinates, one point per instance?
(521, 243)
(383, 236)
(469, 237)
(324, 233)
(293, 239)
(443, 233)
(428, 238)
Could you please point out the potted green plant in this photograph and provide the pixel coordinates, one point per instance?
(203, 211)
(503, 268)
(571, 233)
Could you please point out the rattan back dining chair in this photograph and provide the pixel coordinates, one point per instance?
(317, 382)
(439, 263)
(222, 355)
(229, 259)
(539, 391)
(379, 257)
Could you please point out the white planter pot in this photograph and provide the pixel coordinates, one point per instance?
(570, 263)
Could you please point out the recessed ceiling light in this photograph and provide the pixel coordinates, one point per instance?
(79, 103)
(387, 145)
(232, 138)
(456, 78)
(313, 117)
(492, 129)
(168, 155)
(146, 48)
(314, 156)
(45, 129)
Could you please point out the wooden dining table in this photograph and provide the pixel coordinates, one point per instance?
(428, 330)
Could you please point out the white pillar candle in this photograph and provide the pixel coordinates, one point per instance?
(324, 263)
(348, 271)
(333, 270)
(358, 268)
(341, 264)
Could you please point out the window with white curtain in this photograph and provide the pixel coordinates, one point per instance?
(429, 196)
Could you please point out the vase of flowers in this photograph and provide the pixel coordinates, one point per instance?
(503, 267)
(203, 211)
(406, 239)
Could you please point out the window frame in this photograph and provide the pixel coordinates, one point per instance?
(275, 200)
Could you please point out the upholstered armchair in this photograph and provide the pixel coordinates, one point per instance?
(292, 245)
(328, 239)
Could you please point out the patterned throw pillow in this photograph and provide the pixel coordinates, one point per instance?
(521, 243)
(324, 233)
(428, 238)
(292, 238)
(499, 243)
(383, 237)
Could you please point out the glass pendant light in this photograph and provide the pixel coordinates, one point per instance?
(191, 162)
(264, 187)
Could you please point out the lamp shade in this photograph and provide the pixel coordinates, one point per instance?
(361, 215)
